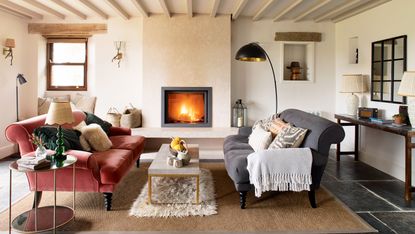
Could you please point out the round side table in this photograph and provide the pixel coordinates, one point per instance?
(46, 218)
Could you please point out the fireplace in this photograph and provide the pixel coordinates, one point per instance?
(186, 107)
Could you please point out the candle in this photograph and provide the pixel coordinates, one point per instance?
(240, 122)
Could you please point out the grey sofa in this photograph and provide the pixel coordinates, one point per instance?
(321, 134)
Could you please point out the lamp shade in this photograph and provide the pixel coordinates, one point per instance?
(10, 43)
(407, 87)
(59, 113)
(353, 83)
(21, 79)
(251, 52)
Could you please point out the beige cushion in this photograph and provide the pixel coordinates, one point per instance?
(259, 139)
(276, 126)
(289, 137)
(43, 105)
(58, 97)
(96, 137)
(84, 103)
(82, 140)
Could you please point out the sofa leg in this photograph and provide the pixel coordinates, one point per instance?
(36, 199)
(108, 201)
(138, 163)
(312, 198)
(242, 199)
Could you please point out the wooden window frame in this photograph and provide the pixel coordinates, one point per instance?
(49, 64)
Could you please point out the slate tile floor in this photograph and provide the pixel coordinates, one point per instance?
(372, 194)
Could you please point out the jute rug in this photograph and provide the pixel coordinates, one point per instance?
(175, 197)
(273, 212)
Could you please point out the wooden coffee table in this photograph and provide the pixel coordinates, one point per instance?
(160, 168)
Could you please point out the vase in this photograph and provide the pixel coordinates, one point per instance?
(41, 152)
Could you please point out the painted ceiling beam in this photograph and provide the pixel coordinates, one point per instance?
(20, 9)
(189, 5)
(337, 11)
(15, 13)
(239, 8)
(359, 10)
(94, 8)
(311, 10)
(286, 10)
(215, 8)
(163, 5)
(140, 7)
(49, 10)
(263, 9)
(69, 8)
(118, 8)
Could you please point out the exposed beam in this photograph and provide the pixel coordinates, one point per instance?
(163, 5)
(140, 7)
(311, 10)
(15, 13)
(286, 10)
(261, 11)
(338, 10)
(20, 9)
(189, 4)
(94, 8)
(49, 10)
(239, 8)
(65, 29)
(70, 8)
(215, 8)
(116, 7)
(359, 10)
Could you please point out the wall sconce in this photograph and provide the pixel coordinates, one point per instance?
(118, 57)
(10, 44)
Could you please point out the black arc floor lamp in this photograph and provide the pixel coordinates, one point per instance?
(19, 80)
(253, 52)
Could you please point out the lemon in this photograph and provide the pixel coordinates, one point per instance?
(175, 141)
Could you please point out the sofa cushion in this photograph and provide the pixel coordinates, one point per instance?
(236, 162)
(96, 137)
(260, 139)
(236, 142)
(133, 143)
(113, 164)
(91, 118)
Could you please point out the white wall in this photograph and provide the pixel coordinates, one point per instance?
(382, 150)
(252, 82)
(16, 28)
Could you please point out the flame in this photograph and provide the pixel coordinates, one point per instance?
(187, 114)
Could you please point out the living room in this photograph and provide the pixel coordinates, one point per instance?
(137, 52)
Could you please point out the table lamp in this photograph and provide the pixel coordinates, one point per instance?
(353, 83)
(407, 88)
(59, 113)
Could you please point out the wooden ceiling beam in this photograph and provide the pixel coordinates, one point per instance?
(189, 5)
(69, 8)
(215, 8)
(140, 7)
(20, 9)
(94, 8)
(338, 10)
(263, 9)
(67, 29)
(43, 7)
(15, 13)
(164, 7)
(311, 10)
(286, 10)
(239, 8)
(118, 8)
(359, 10)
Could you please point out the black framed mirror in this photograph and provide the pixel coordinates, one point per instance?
(388, 66)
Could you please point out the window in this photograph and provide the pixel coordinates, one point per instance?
(67, 64)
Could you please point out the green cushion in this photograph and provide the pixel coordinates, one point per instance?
(48, 136)
(91, 118)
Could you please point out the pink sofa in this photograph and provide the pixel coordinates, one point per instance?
(95, 171)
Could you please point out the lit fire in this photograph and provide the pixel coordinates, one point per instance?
(187, 114)
(186, 108)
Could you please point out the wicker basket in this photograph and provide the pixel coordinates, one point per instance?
(113, 117)
(131, 117)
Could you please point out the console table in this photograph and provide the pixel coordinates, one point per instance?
(406, 131)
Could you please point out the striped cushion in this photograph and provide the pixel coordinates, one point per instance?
(289, 137)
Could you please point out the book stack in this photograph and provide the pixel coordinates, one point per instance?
(33, 163)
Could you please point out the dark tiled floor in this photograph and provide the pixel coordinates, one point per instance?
(374, 195)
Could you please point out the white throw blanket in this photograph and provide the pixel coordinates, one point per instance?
(280, 170)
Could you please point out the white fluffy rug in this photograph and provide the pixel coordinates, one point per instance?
(177, 194)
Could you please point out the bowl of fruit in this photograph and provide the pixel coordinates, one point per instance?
(177, 145)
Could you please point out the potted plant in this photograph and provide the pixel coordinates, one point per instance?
(398, 119)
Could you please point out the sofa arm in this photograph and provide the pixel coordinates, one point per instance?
(245, 131)
(116, 131)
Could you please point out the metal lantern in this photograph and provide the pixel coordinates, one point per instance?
(239, 114)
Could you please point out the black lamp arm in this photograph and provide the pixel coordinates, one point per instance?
(275, 80)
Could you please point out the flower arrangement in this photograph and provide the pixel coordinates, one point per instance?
(36, 140)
